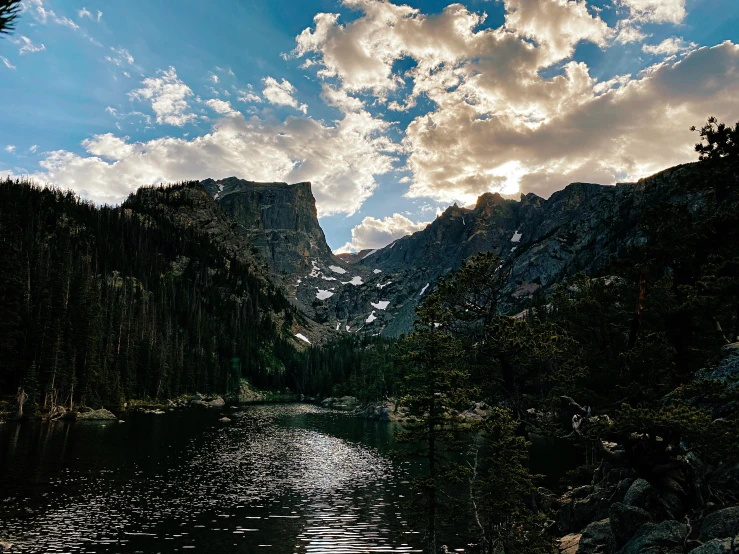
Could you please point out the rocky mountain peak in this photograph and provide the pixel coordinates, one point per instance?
(279, 219)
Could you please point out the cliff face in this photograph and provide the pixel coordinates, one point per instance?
(279, 220)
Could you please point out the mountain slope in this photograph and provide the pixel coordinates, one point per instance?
(152, 299)
(581, 228)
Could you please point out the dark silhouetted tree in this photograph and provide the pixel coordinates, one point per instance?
(721, 140)
(9, 10)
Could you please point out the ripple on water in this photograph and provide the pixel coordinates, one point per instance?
(279, 478)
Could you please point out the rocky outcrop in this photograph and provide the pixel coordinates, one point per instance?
(718, 546)
(668, 537)
(722, 524)
(625, 521)
(596, 538)
(279, 220)
(345, 403)
(727, 370)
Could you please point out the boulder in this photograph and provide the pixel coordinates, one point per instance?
(95, 415)
(721, 524)
(626, 521)
(597, 538)
(579, 507)
(718, 546)
(217, 402)
(641, 495)
(727, 370)
(225, 420)
(569, 543)
(667, 537)
(725, 478)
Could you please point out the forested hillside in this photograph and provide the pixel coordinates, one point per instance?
(104, 304)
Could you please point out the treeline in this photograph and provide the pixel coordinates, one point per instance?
(100, 304)
(355, 365)
(602, 360)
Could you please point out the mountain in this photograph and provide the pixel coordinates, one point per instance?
(583, 227)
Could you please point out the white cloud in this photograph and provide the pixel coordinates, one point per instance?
(33, 149)
(168, 95)
(99, 16)
(214, 78)
(669, 47)
(43, 15)
(641, 12)
(219, 106)
(10, 148)
(84, 12)
(247, 96)
(66, 22)
(340, 160)
(120, 57)
(377, 233)
(27, 46)
(556, 25)
(281, 94)
(655, 11)
(6, 62)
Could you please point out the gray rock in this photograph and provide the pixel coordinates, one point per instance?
(721, 524)
(579, 507)
(217, 402)
(640, 494)
(626, 521)
(95, 415)
(725, 478)
(340, 403)
(718, 546)
(666, 538)
(727, 369)
(597, 538)
(224, 420)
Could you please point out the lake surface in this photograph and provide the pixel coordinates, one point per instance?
(279, 478)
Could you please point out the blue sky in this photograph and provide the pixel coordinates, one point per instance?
(392, 110)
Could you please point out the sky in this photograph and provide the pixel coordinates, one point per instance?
(393, 110)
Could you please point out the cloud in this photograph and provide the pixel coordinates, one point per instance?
(247, 95)
(641, 12)
(669, 47)
(168, 95)
(281, 94)
(10, 148)
(33, 149)
(6, 62)
(84, 12)
(42, 15)
(377, 233)
(491, 121)
(341, 160)
(556, 25)
(27, 46)
(214, 78)
(219, 106)
(120, 57)
(655, 11)
(629, 131)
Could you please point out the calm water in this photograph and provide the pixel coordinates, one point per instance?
(279, 478)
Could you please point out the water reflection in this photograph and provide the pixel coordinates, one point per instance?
(285, 478)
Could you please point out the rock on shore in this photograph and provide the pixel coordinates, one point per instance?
(95, 415)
